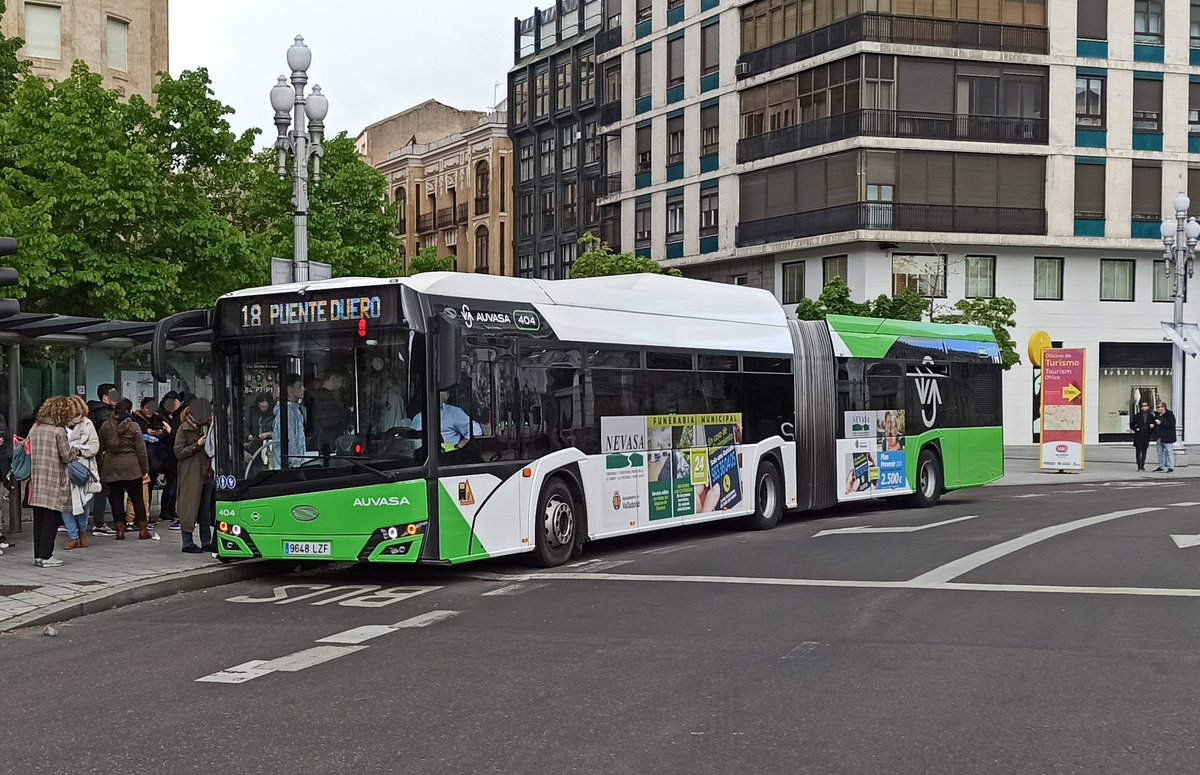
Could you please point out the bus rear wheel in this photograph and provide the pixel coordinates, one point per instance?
(556, 524)
(768, 498)
(929, 480)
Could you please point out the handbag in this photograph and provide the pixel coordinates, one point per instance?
(78, 473)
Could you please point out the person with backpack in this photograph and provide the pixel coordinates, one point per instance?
(49, 489)
(123, 466)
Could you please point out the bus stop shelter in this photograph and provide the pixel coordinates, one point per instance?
(82, 335)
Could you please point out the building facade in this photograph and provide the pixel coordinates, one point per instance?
(125, 41)
(960, 148)
(553, 93)
(450, 173)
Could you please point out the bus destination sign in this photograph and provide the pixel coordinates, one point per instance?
(272, 315)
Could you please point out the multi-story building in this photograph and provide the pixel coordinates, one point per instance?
(450, 172)
(961, 148)
(125, 41)
(553, 94)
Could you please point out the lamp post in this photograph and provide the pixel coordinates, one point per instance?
(1179, 235)
(303, 140)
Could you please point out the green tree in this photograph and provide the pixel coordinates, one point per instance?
(11, 67)
(835, 300)
(998, 314)
(598, 260)
(427, 260)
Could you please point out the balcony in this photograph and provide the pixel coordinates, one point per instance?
(894, 123)
(610, 112)
(893, 217)
(481, 205)
(445, 217)
(885, 28)
(425, 223)
(607, 40)
(462, 214)
(610, 184)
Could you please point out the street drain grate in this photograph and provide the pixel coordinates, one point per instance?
(12, 589)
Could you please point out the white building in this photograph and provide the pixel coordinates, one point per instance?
(1024, 148)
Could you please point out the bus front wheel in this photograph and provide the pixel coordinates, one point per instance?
(557, 524)
(768, 498)
(929, 480)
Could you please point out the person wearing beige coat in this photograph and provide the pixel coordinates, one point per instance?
(84, 439)
(49, 488)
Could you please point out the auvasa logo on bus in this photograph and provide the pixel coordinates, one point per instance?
(390, 501)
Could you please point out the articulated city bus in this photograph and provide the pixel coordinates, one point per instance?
(450, 417)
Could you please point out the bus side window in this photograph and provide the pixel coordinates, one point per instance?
(485, 388)
(885, 385)
(551, 381)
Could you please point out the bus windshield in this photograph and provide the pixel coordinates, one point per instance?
(316, 404)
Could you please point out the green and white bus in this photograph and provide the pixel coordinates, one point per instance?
(451, 417)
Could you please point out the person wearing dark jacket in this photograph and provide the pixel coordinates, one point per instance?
(1142, 425)
(1164, 434)
(169, 411)
(123, 466)
(99, 411)
(195, 477)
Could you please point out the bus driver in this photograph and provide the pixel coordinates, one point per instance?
(457, 427)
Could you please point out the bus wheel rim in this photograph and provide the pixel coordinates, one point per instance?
(559, 522)
(766, 495)
(927, 480)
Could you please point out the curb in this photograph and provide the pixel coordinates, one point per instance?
(141, 591)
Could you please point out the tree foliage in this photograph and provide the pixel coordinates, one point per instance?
(835, 300)
(998, 314)
(428, 260)
(10, 66)
(598, 260)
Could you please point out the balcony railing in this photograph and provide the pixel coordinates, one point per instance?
(610, 184)
(462, 214)
(607, 40)
(610, 112)
(885, 28)
(894, 123)
(887, 216)
(445, 217)
(425, 223)
(481, 205)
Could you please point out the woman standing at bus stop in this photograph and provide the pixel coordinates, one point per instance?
(195, 476)
(49, 486)
(123, 465)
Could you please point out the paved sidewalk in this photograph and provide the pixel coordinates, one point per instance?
(1102, 463)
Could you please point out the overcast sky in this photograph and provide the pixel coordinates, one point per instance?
(372, 58)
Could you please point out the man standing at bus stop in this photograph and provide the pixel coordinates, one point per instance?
(99, 411)
(1164, 434)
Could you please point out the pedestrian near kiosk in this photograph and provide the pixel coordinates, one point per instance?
(195, 499)
(1164, 434)
(84, 439)
(123, 465)
(99, 411)
(1142, 425)
(49, 490)
(169, 410)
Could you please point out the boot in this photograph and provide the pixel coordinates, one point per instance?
(83, 540)
(119, 526)
(143, 531)
(69, 545)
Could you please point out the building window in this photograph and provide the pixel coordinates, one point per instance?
(525, 265)
(546, 264)
(520, 102)
(740, 279)
(922, 274)
(644, 157)
(1048, 278)
(401, 211)
(675, 140)
(503, 184)
(525, 215)
(612, 14)
(710, 130)
(1089, 101)
(793, 282)
(981, 277)
(1194, 25)
(1092, 20)
(525, 168)
(587, 76)
(481, 250)
(710, 210)
(879, 205)
(43, 31)
(644, 10)
(1147, 105)
(548, 211)
(644, 72)
(674, 62)
(834, 266)
(1148, 21)
(1194, 108)
(546, 156)
(612, 82)
(672, 4)
(570, 204)
(118, 45)
(568, 252)
(562, 77)
(675, 217)
(591, 147)
(1163, 282)
(483, 185)
(767, 22)
(1089, 191)
(641, 224)
(541, 94)
(710, 48)
(1146, 195)
(1116, 279)
(567, 143)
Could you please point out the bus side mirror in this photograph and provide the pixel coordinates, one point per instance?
(162, 334)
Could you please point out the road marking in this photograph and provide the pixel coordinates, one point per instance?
(846, 584)
(511, 589)
(668, 549)
(801, 651)
(1186, 504)
(1031, 495)
(425, 619)
(358, 634)
(1186, 542)
(237, 674)
(317, 655)
(964, 565)
(903, 529)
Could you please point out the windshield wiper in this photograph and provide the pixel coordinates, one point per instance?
(385, 475)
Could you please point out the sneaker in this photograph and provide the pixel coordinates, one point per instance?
(192, 549)
(1158, 470)
(62, 528)
(52, 562)
(4, 544)
(174, 525)
(37, 562)
(103, 530)
(210, 548)
(1169, 471)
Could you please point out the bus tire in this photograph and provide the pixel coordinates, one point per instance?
(556, 524)
(929, 480)
(768, 498)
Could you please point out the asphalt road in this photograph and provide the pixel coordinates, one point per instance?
(1045, 630)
